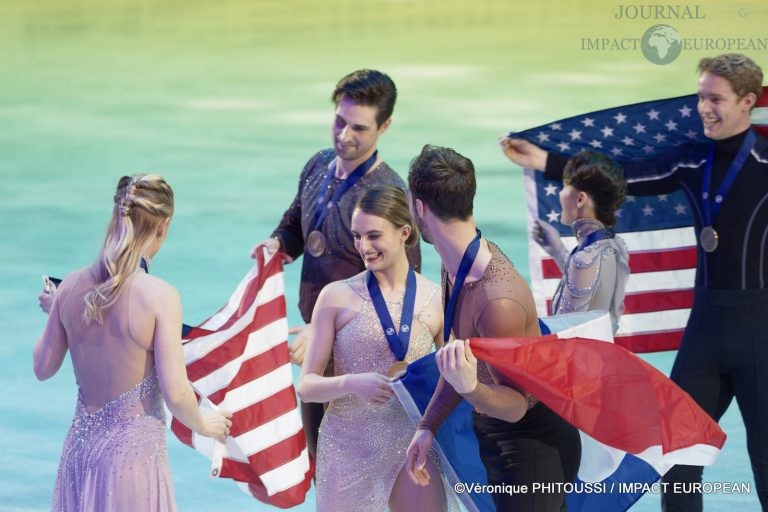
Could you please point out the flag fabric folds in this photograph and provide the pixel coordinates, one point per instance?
(656, 229)
(238, 360)
(634, 422)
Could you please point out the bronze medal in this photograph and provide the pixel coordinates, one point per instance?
(315, 244)
(708, 239)
(396, 368)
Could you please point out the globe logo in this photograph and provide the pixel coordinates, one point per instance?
(661, 44)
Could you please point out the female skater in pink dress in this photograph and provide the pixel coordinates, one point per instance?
(122, 328)
(365, 430)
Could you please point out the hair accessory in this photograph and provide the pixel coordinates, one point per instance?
(125, 200)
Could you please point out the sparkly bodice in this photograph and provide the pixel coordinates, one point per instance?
(142, 399)
(361, 445)
(361, 346)
(114, 458)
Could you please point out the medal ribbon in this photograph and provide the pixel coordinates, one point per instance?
(710, 209)
(470, 253)
(595, 236)
(398, 340)
(321, 208)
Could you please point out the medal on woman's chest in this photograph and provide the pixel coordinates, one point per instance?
(397, 339)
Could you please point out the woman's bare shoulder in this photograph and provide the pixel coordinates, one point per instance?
(426, 284)
(151, 289)
(340, 292)
(73, 277)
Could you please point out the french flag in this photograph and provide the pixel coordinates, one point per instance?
(635, 423)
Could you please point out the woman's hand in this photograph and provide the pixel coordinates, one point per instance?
(416, 457)
(216, 425)
(371, 387)
(298, 347)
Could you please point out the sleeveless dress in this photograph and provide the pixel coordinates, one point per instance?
(115, 459)
(361, 446)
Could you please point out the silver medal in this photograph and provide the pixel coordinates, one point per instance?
(708, 239)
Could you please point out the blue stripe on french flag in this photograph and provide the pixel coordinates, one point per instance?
(634, 422)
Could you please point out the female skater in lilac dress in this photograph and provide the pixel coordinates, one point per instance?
(122, 328)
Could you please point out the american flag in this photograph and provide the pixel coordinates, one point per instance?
(238, 360)
(657, 229)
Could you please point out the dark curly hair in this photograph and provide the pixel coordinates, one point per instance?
(601, 178)
(445, 181)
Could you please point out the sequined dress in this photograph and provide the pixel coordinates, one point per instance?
(361, 446)
(115, 459)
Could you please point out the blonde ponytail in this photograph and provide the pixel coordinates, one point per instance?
(142, 203)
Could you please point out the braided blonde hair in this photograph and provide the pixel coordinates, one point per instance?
(142, 203)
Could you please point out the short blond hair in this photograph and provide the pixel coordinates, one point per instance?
(741, 72)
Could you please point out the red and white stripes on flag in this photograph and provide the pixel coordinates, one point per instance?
(656, 229)
(238, 360)
(659, 291)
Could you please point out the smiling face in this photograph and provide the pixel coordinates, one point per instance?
(723, 113)
(379, 242)
(355, 131)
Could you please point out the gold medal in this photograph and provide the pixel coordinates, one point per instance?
(396, 368)
(708, 239)
(315, 244)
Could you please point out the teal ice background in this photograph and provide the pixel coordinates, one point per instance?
(227, 100)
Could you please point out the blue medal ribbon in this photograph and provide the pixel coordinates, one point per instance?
(467, 260)
(711, 208)
(595, 236)
(397, 339)
(323, 206)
